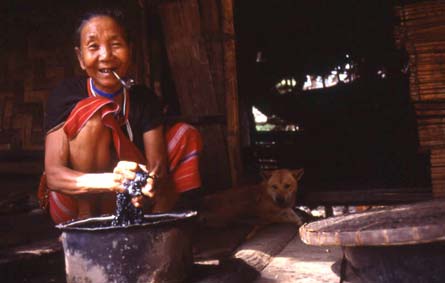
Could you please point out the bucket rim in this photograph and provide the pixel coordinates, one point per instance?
(162, 218)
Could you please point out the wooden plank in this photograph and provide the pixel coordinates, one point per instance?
(191, 71)
(213, 40)
(188, 57)
(232, 103)
(259, 250)
(145, 43)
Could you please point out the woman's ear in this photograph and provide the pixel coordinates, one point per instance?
(79, 57)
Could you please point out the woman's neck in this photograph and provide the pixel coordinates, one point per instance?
(110, 95)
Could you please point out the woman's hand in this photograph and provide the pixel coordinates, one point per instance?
(126, 170)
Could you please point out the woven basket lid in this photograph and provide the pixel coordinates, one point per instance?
(422, 222)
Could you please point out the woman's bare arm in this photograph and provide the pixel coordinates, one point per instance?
(155, 151)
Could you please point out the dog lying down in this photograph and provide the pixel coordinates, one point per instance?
(268, 202)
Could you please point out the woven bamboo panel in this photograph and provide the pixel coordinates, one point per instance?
(408, 224)
(422, 34)
(438, 172)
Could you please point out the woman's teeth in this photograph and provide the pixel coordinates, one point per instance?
(105, 70)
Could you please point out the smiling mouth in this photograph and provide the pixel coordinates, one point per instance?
(106, 71)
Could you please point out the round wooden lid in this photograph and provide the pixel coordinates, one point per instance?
(422, 222)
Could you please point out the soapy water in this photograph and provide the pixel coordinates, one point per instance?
(126, 212)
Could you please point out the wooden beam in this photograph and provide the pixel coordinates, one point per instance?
(231, 87)
(191, 66)
(145, 43)
(259, 250)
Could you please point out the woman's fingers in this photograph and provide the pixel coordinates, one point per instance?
(141, 202)
(137, 201)
(128, 169)
(117, 183)
(149, 188)
(129, 165)
(125, 170)
(143, 167)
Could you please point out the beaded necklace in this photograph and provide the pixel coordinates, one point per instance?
(104, 94)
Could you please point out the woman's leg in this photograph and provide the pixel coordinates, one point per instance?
(92, 151)
(184, 145)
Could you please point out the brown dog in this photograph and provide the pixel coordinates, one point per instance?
(268, 202)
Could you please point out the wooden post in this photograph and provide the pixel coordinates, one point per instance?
(145, 42)
(231, 87)
(192, 60)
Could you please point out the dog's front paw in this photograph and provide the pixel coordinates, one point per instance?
(287, 216)
(298, 220)
(304, 216)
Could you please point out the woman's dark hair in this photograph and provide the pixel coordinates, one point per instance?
(116, 14)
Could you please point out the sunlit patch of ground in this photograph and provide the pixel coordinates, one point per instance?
(300, 263)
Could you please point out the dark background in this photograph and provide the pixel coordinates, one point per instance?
(354, 136)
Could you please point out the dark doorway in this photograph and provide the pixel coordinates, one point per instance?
(346, 92)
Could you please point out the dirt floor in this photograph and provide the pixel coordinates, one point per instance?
(30, 250)
(234, 254)
(273, 254)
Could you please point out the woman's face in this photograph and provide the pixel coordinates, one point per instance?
(103, 49)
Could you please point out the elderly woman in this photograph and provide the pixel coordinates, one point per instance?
(99, 133)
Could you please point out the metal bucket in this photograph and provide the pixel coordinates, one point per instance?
(159, 250)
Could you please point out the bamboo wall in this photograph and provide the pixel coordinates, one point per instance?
(422, 34)
(36, 53)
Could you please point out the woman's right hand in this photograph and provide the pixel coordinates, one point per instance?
(126, 171)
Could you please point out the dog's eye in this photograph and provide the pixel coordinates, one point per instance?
(274, 187)
(286, 186)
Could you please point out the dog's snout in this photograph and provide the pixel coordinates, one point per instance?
(281, 201)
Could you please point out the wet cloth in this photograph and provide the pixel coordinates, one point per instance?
(183, 143)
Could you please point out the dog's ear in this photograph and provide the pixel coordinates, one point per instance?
(298, 173)
(265, 174)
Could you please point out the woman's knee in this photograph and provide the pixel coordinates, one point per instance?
(91, 148)
(94, 128)
(93, 132)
